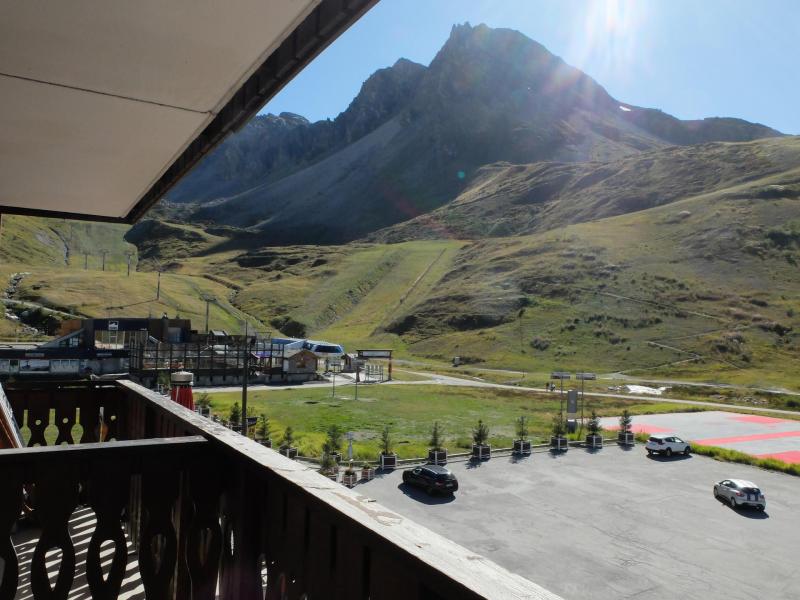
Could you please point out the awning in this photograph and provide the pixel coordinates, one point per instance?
(104, 106)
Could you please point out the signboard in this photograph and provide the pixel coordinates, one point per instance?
(585, 376)
(374, 354)
(572, 402)
(113, 325)
(559, 375)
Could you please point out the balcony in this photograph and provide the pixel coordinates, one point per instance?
(143, 497)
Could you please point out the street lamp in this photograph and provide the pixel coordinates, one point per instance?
(561, 376)
(583, 377)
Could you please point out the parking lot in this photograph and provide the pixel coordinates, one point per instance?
(617, 524)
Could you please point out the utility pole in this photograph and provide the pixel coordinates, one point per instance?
(104, 252)
(129, 254)
(85, 261)
(245, 377)
(209, 299)
(158, 288)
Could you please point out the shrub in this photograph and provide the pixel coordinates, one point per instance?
(436, 435)
(235, 414)
(557, 427)
(593, 426)
(522, 428)
(334, 438)
(203, 399)
(326, 463)
(539, 343)
(288, 438)
(263, 430)
(386, 441)
(480, 433)
(625, 421)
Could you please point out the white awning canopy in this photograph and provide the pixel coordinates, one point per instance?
(105, 105)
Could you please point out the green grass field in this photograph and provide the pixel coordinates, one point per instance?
(410, 412)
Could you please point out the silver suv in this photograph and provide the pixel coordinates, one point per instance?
(667, 445)
(739, 492)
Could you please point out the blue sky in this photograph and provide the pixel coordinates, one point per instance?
(690, 58)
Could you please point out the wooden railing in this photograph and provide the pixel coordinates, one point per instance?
(214, 514)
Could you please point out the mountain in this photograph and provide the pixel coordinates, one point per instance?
(511, 200)
(416, 137)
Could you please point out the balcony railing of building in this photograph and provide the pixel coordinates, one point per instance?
(210, 513)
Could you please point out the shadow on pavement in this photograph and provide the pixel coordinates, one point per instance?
(662, 458)
(745, 511)
(421, 496)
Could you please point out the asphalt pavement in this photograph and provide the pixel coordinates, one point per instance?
(617, 524)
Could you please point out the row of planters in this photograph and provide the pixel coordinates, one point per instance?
(437, 454)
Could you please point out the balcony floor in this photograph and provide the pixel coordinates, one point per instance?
(81, 527)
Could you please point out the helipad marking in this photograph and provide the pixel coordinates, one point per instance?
(759, 419)
(747, 438)
(793, 456)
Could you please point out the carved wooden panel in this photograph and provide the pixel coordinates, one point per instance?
(158, 540)
(66, 415)
(38, 416)
(108, 492)
(89, 418)
(56, 499)
(203, 544)
(10, 506)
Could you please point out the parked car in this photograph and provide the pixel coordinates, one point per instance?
(667, 445)
(432, 478)
(739, 492)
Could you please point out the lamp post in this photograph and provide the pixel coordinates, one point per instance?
(583, 377)
(561, 376)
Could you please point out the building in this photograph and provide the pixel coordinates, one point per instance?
(87, 347)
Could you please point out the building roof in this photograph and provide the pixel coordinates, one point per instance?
(104, 106)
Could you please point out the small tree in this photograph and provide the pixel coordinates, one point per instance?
(235, 414)
(264, 428)
(625, 422)
(593, 426)
(334, 439)
(480, 433)
(203, 400)
(522, 428)
(288, 438)
(386, 441)
(326, 464)
(436, 437)
(558, 426)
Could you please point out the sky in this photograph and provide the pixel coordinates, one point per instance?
(690, 58)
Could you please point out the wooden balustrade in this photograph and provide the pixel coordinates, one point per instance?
(214, 514)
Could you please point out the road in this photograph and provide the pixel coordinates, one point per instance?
(449, 380)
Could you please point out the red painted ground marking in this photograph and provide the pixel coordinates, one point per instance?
(792, 456)
(758, 419)
(641, 428)
(747, 438)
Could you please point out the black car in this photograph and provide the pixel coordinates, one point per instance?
(432, 478)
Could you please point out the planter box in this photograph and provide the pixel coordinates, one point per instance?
(349, 479)
(289, 452)
(437, 457)
(482, 452)
(522, 447)
(333, 475)
(388, 461)
(559, 443)
(626, 438)
(337, 457)
(266, 443)
(367, 473)
(594, 441)
(205, 411)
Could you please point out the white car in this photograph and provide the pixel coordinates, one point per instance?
(667, 445)
(738, 492)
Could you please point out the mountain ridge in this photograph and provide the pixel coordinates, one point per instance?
(414, 137)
